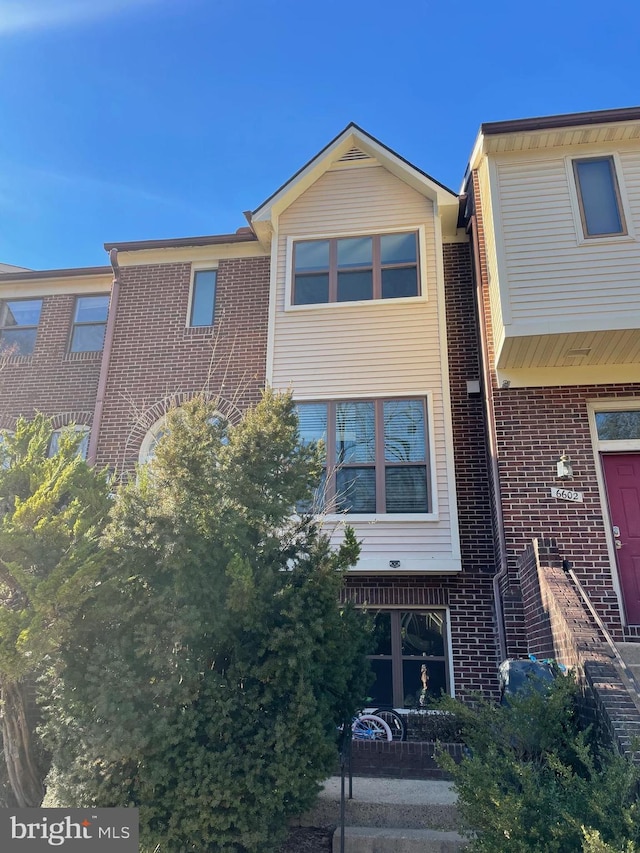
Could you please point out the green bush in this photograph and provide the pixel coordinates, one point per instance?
(208, 673)
(534, 782)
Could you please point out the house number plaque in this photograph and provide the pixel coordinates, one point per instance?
(567, 495)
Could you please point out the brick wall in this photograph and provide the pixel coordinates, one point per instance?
(468, 595)
(62, 385)
(157, 361)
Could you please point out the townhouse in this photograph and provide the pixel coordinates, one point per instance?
(471, 362)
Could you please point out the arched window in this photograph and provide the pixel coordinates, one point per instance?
(160, 428)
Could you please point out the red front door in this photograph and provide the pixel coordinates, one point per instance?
(622, 475)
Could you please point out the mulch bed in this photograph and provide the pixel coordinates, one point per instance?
(308, 839)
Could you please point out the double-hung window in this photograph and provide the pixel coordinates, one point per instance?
(375, 454)
(351, 269)
(203, 298)
(19, 320)
(89, 323)
(599, 197)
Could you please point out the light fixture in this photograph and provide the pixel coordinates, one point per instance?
(565, 471)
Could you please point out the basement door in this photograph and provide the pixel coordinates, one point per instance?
(622, 476)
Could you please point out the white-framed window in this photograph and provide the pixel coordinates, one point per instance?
(202, 304)
(376, 454)
(19, 319)
(359, 268)
(598, 198)
(83, 447)
(410, 658)
(89, 323)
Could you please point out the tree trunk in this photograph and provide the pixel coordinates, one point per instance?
(20, 754)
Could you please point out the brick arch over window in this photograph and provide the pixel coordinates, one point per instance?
(154, 414)
(78, 418)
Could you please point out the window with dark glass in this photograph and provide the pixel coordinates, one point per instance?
(599, 197)
(352, 269)
(375, 454)
(19, 320)
(203, 298)
(409, 658)
(89, 323)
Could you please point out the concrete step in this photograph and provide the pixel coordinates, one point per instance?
(363, 839)
(630, 653)
(388, 804)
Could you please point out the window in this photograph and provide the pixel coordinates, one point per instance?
(89, 323)
(376, 454)
(599, 197)
(19, 326)
(405, 642)
(203, 298)
(350, 269)
(618, 426)
(83, 447)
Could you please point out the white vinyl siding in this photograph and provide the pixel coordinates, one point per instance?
(556, 280)
(383, 348)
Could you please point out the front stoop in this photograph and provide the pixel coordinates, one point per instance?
(630, 654)
(391, 816)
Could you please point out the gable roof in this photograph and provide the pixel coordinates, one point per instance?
(353, 143)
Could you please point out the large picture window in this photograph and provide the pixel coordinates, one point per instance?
(375, 454)
(350, 269)
(409, 658)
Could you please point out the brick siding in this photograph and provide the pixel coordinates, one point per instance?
(158, 362)
(59, 384)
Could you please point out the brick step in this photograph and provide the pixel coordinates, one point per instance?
(364, 839)
(388, 804)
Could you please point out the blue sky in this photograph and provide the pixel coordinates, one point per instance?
(136, 119)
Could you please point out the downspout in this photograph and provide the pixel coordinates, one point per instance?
(92, 452)
(493, 443)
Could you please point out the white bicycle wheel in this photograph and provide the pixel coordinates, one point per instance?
(370, 727)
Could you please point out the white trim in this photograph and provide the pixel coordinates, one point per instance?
(436, 565)
(339, 235)
(583, 239)
(201, 266)
(454, 528)
(150, 439)
(617, 404)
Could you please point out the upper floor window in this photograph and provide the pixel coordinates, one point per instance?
(203, 298)
(375, 454)
(89, 323)
(19, 320)
(350, 269)
(599, 197)
(83, 447)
